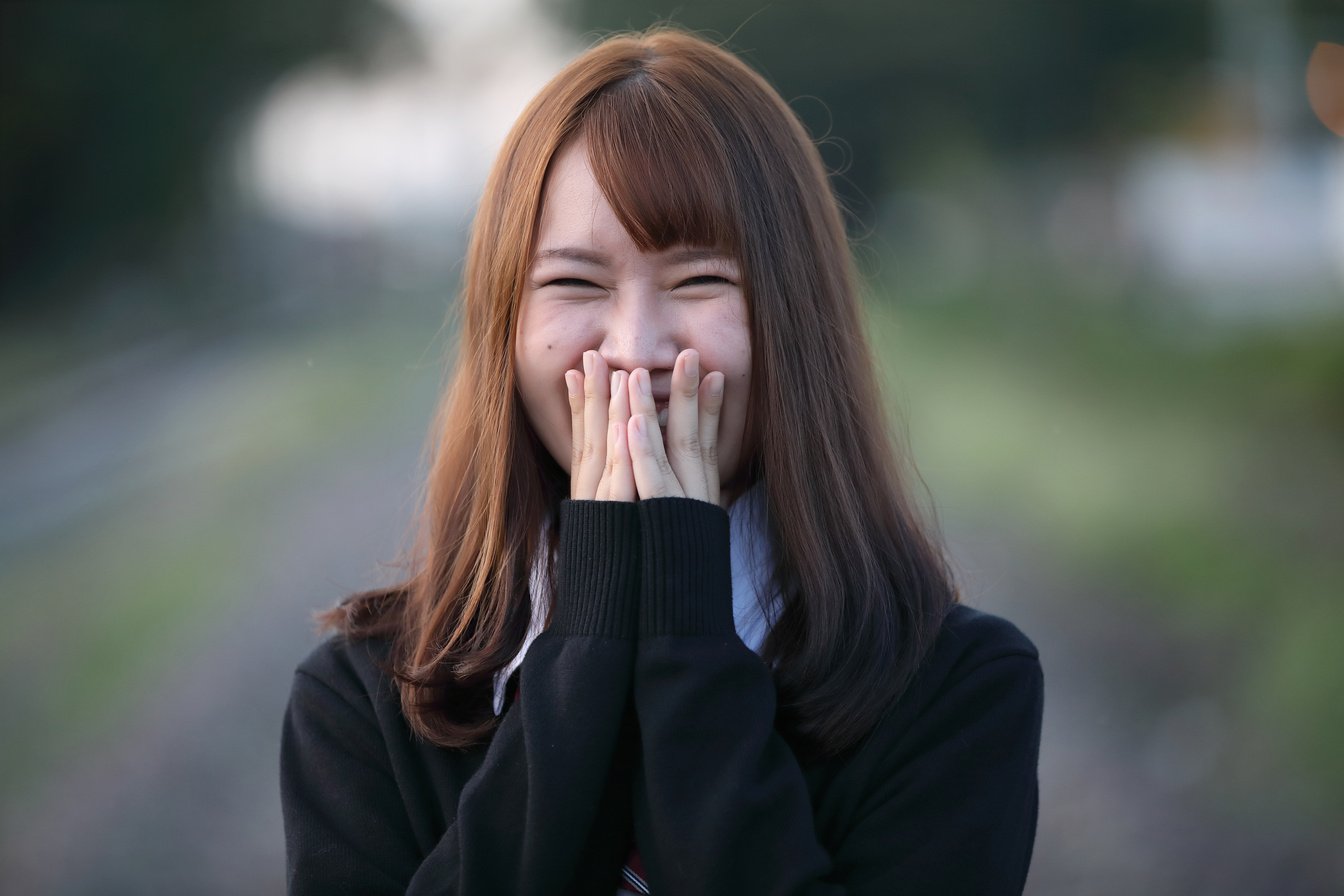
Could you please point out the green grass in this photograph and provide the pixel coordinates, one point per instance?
(97, 610)
(1204, 471)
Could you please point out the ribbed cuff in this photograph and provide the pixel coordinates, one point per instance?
(597, 570)
(687, 576)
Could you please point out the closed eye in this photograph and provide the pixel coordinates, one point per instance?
(703, 280)
(571, 281)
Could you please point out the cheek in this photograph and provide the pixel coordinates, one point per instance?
(543, 349)
(735, 404)
(539, 364)
(553, 337)
(729, 352)
(550, 341)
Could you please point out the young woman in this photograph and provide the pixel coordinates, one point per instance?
(673, 625)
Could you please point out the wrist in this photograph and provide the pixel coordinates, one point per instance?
(597, 569)
(686, 585)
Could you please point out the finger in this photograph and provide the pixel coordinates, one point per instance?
(711, 404)
(641, 395)
(574, 388)
(602, 485)
(618, 482)
(623, 475)
(619, 408)
(593, 454)
(653, 474)
(683, 426)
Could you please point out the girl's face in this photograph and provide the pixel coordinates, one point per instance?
(589, 287)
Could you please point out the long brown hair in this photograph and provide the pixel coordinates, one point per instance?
(691, 147)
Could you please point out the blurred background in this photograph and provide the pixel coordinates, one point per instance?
(1104, 252)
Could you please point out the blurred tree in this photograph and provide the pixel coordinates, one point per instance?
(1324, 18)
(902, 80)
(112, 111)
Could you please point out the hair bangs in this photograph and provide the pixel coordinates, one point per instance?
(662, 167)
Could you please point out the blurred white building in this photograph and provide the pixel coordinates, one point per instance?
(1253, 225)
(1245, 230)
(410, 144)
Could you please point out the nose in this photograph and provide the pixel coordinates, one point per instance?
(639, 332)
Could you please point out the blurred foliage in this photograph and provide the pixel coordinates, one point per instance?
(1204, 479)
(115, 112)
(901, 80)
(1322, 19)
(182, 530)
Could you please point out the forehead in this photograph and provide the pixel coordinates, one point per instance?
(573, 206)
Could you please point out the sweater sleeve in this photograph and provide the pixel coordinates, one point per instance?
(721, 804)
(524, 817)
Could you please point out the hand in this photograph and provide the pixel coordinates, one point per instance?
(688, 466)
(599, 411)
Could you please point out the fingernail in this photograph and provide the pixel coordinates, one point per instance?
(645, 388)
(716, 386)
(587, 363)
(693, 365)
(615, 382)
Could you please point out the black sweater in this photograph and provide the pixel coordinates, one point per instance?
(642, 714)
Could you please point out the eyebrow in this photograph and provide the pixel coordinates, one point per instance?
(572, 254)
(597, 259)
